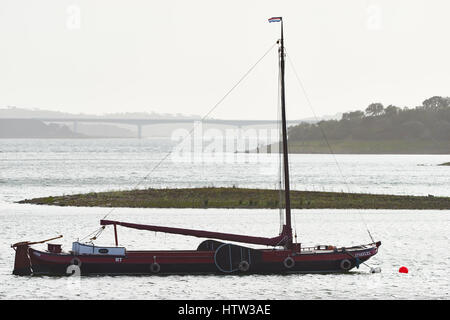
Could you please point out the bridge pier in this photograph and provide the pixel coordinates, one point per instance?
(139, 131)
(239, 139)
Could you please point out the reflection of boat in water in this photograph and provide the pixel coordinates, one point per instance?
(211, 256)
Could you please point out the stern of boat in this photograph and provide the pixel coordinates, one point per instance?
(22, 263)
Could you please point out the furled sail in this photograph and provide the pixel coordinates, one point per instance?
(275, 241)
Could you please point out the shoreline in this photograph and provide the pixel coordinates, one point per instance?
(241, 198)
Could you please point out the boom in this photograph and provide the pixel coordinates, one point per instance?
(275, 241)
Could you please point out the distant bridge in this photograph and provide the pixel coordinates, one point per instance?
(144, 122)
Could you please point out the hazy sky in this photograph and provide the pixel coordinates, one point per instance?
(182, 56)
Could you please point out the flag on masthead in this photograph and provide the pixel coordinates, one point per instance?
(275, 19)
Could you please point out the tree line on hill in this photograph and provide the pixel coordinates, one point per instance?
(30, 128)
(431, 121)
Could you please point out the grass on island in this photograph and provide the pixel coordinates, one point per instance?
(213, 197)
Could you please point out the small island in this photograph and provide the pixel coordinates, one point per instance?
(444, 164)
(241, 198)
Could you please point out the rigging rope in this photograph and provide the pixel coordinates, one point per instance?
(195, 126)
(326, 139)
(96, 234)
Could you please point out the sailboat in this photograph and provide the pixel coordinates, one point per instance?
(280, 254)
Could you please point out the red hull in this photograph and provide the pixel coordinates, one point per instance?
(223, 259)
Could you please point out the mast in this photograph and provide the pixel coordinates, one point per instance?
(288, 226)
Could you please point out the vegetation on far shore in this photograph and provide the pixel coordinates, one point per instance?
(213, 197)
(424, 129)
(445, 164)
(370, 147)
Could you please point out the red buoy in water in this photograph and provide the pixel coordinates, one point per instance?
(403, 270)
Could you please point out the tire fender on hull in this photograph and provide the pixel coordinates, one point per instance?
(345, 264)
(288, 262)
(244, 266)
(155, 267)
(76, 261)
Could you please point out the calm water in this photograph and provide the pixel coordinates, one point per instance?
(416, 239)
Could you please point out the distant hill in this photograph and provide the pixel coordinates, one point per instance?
(16, 112)
(34, 129)
(379, 129)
